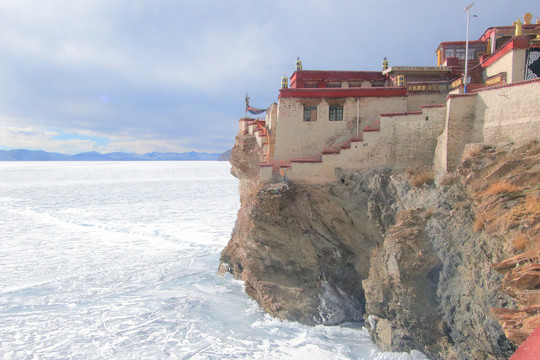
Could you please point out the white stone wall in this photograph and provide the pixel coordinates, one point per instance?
(513, 63)
(271, 123)
(265, 173)
(510, 113)
(416, 101)
(271, 116)
(457, 131)
(296, 138)
(402, 140)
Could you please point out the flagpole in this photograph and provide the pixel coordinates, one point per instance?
(357, 117)
(247, 103)
(465, 80)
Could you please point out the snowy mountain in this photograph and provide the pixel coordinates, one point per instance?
(39, 155)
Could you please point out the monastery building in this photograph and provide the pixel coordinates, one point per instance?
(328, 121)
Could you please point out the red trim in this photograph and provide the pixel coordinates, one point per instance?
(313, 161)
(475, 87)
(331, 151)
(433, 106)
(517, 42)
(452, 96)
(401, 114)
(322, 77)
(517, 83)
(343, 92)
(257, 122)
(505, 30)
(266, 165)
(337, 75)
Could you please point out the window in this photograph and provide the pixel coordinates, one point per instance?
(449, 53)
(336, 113)
(460, 54)
(333, 85)
(310, 84)
(310, 113)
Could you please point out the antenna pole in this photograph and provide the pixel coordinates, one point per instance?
(247, 103)
(465, 80)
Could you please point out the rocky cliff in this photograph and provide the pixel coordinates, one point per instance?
(410, 254)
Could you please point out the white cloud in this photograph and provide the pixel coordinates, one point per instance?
(139, 72)
(12, 137)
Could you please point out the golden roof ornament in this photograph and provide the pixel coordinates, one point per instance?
(527, 18)
(284, 81)
(518, 25)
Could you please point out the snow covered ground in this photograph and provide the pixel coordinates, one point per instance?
(118, 260)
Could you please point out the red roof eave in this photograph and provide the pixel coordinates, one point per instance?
(461, 43)
(337, 75)
(343, 92)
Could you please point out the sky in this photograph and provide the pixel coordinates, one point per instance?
(171, 75)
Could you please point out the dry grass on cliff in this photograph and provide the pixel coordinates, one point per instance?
(520, 243)
(425, 177)
(471, 151)
(502, 187)
(526, 212)
(478, 224)
(375, 251)
(532, 205)
(524, 243)
(448, 179)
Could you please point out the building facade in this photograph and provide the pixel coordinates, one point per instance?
(331, 120)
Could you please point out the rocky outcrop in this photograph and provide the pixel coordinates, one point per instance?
(409, 259)
(297, 250)
(504, 182)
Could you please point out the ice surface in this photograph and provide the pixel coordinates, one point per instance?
(117, 260)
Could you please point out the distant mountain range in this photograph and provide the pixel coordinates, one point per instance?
(39, 155)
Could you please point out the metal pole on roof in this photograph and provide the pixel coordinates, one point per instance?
(247, 103)
(357, 117)
(468, 11)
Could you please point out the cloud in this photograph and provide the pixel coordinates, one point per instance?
(173, 73)
(12, 137)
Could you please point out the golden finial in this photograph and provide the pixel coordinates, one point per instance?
(537, 21)
(298, 63)
(527, 17)
(518, 24)
(284, 81)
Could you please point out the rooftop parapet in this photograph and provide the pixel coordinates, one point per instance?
(342, 92)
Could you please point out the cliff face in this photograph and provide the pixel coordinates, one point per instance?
(372, 246)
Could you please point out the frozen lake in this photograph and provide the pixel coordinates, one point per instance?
(118, 260)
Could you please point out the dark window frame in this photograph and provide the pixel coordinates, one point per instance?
(308, 114)
(335, 113)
